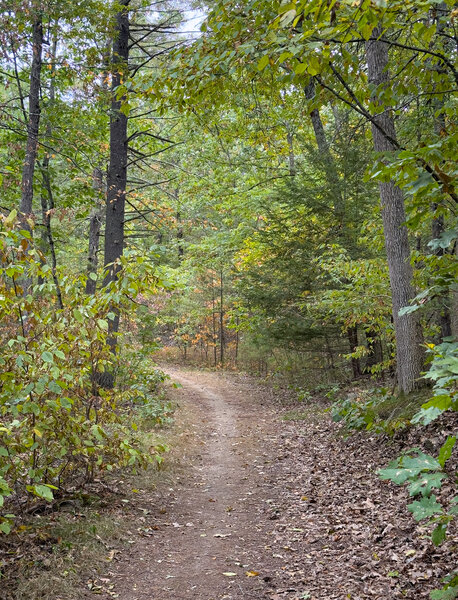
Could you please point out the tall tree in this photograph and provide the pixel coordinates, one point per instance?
(33, 125)
(117, 169)
(407, 327)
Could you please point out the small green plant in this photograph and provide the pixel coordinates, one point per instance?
(444, 373)
(424, 473)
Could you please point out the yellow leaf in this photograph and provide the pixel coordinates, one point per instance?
(251, 573)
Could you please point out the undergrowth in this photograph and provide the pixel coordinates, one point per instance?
(377, 410)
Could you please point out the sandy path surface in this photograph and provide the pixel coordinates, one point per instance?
(210, 530)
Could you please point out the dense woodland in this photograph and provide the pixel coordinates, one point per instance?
(261, 186)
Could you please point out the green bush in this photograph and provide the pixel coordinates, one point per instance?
(57, 427)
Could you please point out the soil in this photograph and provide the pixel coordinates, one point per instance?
(210, 531)
(271, 509)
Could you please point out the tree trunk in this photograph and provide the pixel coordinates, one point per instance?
(33, 126)
(444, 317)
(374, 346)
(180, 237)
(329, 163)
(47, 223)
(407, 328)
(291, 157)
(117, 170)
(352, 334)
(215, 358)
(221, 320)
(454, 303)
(95, 226)
(47, 197)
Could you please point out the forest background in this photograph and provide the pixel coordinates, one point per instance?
(272, 188)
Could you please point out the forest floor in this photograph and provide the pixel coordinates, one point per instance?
(263, 502)
(279, 509)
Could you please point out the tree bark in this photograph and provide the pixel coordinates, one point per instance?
(352, 334)
(95, 226)
(117, 170)
(437, 228)
(407, 328)
(221, 320)
(33, 125)
(374, 346)
(215, 357)
(47, 196)
(329, 163)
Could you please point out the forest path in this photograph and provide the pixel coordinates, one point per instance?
(251, 506)
(208, 532)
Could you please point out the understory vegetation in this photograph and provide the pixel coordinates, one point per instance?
(267, 187)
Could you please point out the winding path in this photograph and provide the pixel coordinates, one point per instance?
(211, 540)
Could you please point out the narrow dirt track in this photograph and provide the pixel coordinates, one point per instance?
(209, 539)
(260, 508)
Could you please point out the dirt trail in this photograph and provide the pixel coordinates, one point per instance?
(262, 508)
(209, 536)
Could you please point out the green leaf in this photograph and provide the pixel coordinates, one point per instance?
(93, 276)
(11, 217)
(5, 527)
(78, 316)
(42, 491)
(125, 108)
(425, 483)
(446, 593)
(102, 324)
(409, 467)
(427, 416)
(444, 240)
(53, 386)
(263, 62)
(47, 357)
(398, 476)
(300, 68)
(439, 534)
(313, 65)
(425, 508)
(288, 17)
(284, 56)
(407, 310)
(446, 451)
(424, 462)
